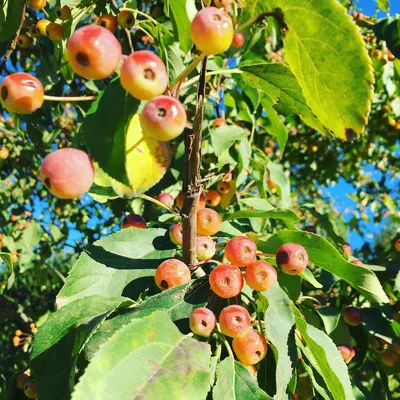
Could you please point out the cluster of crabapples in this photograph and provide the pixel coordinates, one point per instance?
(389, 352)
(227, 280)
(25, 382)
(95, 53)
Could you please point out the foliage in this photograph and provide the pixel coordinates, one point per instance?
(303, 112)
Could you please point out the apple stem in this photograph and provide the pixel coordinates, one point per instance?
(224, 341)
(158, 203)
(136, 12)
(211, 73)
(70, 98)
(261, 254)
(260, 18)
(187, 71)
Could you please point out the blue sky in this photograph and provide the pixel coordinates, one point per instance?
(369, 6)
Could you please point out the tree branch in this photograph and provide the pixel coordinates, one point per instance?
(7, 132)
(192, 180)
(13, 44)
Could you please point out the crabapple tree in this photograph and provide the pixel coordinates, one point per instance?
(166, 230)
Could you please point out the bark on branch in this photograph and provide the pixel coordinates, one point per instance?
(13, 44)
(192, 185)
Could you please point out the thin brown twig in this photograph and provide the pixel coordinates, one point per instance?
(7, 132)
(247, 187)
(13, 44)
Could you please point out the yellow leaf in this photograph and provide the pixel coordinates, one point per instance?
(146, 161)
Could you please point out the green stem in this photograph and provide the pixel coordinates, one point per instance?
(308, 298)
(69, 98)
(247, 296)
(158, 203)
(187, 71)
(224, 341)
(218, 352)
(144, 30)
(249, 22)
(211, 73)
(136, 12)
(253, 129)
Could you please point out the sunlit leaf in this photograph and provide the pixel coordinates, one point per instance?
(146, 159)
(122, 263)
(60, 340)
(325, 256)
(234, 382)
(150, 359)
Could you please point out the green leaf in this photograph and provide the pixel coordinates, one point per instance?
(327, 54)
(323, 355)
(258, 203)
(281, 180)
(315, 380)
(330, 317)
(11, 277)
(55, 232)
(12, 20)
(234, 382)
(388, 29)
(244, 154)
(150, 359)
(377, 323)
(225, 136)
(325, 256)
(105, 126)
(326, 222)
(183, 11)
(278, 82)
(383, 5)
(279, 328)
(61, 338)
(389, 203)
(291, 284)
(309, 277)
(178, 302)
(289, 217)
(124, 262)
(31, 236)
(275, 126)
(70, 3)
(174, 57)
